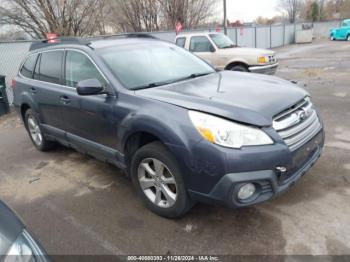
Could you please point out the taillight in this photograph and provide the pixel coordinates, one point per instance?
(13, 83)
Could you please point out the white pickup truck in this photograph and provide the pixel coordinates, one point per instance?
(222, 53)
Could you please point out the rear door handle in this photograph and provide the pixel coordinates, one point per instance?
(65, 99)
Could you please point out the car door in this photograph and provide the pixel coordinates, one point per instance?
(46, 91)
(202, 46)
(89, 120)
(343, 30)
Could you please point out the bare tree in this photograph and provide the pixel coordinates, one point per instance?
(292, 8)
(190, 13)
(64, 17)
(139, 15)
(152, 15)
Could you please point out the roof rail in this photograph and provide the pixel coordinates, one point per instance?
(58, 41)
(129, 35)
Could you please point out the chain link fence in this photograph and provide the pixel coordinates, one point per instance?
(12, 53)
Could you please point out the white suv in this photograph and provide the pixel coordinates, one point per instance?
(221, 52)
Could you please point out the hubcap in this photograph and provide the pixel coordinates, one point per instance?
(34, 131)
(157, 182)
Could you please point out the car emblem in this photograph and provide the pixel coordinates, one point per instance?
(301, 115)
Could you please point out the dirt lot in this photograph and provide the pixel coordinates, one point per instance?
(77, 205)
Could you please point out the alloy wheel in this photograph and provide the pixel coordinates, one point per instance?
(34, 130)
(157, 182)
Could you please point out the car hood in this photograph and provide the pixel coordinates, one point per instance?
(10, 228)
(246, 51)
(244, 97)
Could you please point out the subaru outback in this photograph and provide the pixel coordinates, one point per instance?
(181, 130)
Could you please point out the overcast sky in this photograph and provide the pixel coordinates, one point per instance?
(248, 10)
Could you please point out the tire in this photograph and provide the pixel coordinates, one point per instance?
(332, 38)
(239, 68)
(164, 194)
(348, 38)
(35, 132)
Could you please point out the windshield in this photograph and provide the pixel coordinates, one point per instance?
(152, 64)
(222, 41)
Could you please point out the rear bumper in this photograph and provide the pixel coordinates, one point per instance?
(268, 69)
(269, 183)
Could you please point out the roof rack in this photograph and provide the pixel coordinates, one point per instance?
(84, 41)
(58, 41)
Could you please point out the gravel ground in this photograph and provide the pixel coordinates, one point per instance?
(77, 205)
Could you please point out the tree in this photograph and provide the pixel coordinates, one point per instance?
(64, 17)
(152, 15)
(292, 8)
(315, 11)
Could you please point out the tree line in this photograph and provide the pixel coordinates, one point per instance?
(98, 17)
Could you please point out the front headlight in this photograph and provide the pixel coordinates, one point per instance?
(226, 133)
(25, 249)
(263, 59)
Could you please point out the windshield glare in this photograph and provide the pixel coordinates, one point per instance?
(146, 64)
(222, 41)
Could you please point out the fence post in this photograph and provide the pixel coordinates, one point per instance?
(256, 45)
(295, 32)
(284, 33)
(236, 36)
(270, 36)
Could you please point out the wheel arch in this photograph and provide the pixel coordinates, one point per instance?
(235, 63)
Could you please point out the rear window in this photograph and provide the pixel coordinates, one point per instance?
(28, 66)
(181, 41)
(50, 66)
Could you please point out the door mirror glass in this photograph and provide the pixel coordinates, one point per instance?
(212, 49)
(89, 87)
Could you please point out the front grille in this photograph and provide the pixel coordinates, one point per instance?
(298, 124)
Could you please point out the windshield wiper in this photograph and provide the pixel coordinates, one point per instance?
(162, 83)
(229, 46)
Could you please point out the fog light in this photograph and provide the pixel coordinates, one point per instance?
(246, 191)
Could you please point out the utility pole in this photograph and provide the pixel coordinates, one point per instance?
(225, 18)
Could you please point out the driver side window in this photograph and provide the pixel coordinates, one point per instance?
(79, 67)
(200, 44)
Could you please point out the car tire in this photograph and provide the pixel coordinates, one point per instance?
(348, 38)
(35, 132)
(239, 68)
(161, 187)
(332, 38)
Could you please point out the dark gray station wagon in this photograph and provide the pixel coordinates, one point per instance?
(182, 131)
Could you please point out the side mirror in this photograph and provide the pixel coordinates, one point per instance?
(212, 49)
(89, 87)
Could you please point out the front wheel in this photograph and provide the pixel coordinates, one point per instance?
(158, 180)
(332, 38)
(239, 68)
(348, 38)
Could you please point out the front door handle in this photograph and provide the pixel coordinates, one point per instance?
(33, 90)
(65, 99)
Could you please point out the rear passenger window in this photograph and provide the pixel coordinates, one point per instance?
(79, 67)
(50, 66)
(181, 41)
(28, 66)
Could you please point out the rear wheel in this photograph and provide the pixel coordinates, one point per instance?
(158, 180)
(239, 68)
(35, 132)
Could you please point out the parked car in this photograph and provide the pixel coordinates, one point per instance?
(342, 33)
(182, 131)
(220, 51)
(16, 243)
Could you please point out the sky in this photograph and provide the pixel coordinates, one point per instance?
(248, 10)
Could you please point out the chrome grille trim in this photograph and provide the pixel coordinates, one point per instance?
(298, 124)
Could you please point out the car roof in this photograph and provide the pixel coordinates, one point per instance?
(346, 20)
